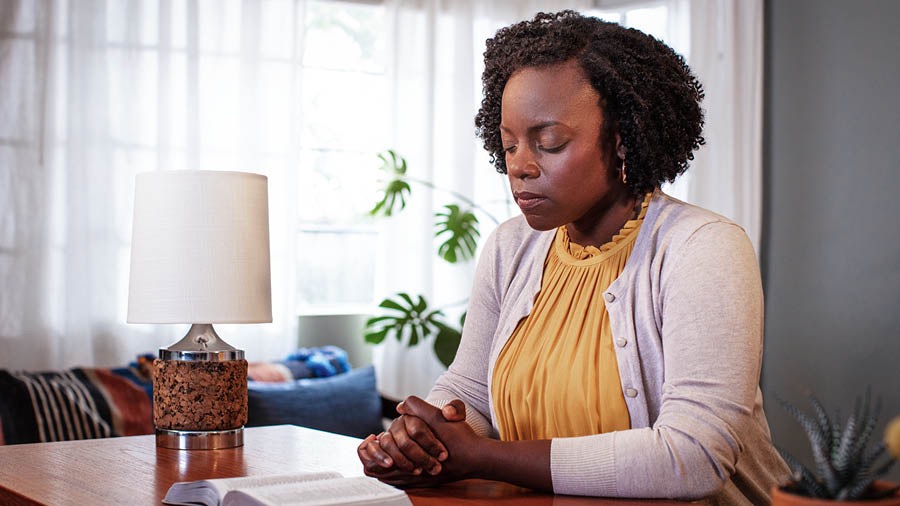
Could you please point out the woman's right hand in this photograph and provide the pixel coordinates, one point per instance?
(409, 446)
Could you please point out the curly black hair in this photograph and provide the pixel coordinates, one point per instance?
(648, 94)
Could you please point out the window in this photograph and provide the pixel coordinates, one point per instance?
(295, 89)
(649, 18)
(346, 121)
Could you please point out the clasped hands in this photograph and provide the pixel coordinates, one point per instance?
(424, 446)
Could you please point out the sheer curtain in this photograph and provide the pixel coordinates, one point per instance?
(437, 49)
(726, 53)
(437, 61)
(92, 93)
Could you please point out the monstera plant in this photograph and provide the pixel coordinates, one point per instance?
(408, 317)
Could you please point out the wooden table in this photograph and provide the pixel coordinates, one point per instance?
(132, 470)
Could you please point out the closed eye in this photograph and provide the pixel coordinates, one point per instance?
(553, 149)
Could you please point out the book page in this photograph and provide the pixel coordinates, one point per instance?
(211, 492)
(356, 491)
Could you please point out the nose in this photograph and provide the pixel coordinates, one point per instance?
(522, 164)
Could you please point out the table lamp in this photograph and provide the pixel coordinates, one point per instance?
(200, 255)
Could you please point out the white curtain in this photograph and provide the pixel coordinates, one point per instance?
(726, 53)
(437, 61)
(91, 93)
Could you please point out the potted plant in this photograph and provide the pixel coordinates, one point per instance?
(408, 316)
(847, 467)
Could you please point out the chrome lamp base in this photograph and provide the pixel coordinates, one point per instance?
(199, 439)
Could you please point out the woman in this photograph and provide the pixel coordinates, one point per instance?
(613, 340)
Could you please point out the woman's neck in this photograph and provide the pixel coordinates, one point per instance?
(605, 221)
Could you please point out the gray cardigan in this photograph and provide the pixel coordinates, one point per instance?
(687, 321)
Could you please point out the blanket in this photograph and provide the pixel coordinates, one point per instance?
(78, 403)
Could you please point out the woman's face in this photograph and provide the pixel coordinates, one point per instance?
(558, 169)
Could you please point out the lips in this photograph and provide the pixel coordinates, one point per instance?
(528, 200)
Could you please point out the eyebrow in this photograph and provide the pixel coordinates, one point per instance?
(540, 126)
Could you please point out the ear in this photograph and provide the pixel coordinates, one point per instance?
(620, 148)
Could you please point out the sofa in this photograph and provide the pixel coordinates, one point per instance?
(314, 388)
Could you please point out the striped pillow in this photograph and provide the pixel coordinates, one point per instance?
(77, 403)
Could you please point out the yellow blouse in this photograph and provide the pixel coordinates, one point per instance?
(557, 376)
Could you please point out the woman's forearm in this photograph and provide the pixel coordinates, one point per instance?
(522, 463)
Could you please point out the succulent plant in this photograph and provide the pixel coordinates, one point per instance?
(845, 462)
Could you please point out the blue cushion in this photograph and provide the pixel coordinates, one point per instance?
(347, 403)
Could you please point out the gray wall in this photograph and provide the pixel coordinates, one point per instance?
(831, 239)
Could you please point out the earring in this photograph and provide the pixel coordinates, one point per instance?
(624, 175)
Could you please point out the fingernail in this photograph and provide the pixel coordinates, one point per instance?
(417, 471)
(387, 462)
(435, 469)
(442, 456)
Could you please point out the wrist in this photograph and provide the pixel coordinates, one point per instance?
(523, 463)
(486, 461)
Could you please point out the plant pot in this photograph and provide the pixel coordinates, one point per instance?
(782, 497)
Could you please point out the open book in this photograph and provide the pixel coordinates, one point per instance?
(297, 489)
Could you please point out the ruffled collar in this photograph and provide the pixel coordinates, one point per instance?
(577, 252)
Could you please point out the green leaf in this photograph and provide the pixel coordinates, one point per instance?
(389, 304)
(404, 318)
(395, 191)
(375, 337)
(421, 306)
(415, 332)
(459, 230)
(446, 343)
(392, 163)
(411, 318)
(396, 188)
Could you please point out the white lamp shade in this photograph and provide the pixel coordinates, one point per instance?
(200, 248)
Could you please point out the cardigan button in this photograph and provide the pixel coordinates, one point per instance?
(621, 342)
(609, 296)
(630, 392)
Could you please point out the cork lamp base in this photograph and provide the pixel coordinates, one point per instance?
(199, 397)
